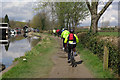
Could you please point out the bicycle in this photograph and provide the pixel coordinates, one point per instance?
(72, 59)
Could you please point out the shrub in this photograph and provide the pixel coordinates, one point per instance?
(96, 45)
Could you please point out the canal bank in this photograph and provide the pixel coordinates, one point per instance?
(17, 47)
(35, 63)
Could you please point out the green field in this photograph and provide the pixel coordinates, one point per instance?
(108, 33)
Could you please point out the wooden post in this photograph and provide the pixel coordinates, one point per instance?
(105, 58)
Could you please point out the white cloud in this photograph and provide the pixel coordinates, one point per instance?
(112, 18)
(23, 20)
(0, 9)
(86, 22)
(13, 4)
(17, 0)
(18, 11)
(110, 15)
(53, 0)
(111, 6)
(22, 10)
(103, 0)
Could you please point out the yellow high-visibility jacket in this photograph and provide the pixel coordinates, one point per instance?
(65, 33)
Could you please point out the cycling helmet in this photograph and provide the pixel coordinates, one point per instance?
(65, 28)
(71, 31)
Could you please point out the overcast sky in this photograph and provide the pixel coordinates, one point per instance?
(22, 10)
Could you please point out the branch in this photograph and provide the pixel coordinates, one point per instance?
(105, 7)
(88, 5)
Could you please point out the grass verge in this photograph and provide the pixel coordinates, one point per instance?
(93, 63)
(38, 61)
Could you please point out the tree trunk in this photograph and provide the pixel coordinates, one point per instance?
(72, 24)
(94, 24)
(67, 23)
(75, 30)
(94, 20)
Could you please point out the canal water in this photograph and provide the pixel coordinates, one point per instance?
(17, 47)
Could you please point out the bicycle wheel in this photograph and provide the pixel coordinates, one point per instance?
(73, 63)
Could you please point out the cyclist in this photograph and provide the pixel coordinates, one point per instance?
(57, 31)
(64, 34)
(62, 29)
(71, 39)
(54, 32)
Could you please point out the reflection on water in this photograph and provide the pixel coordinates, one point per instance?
(16, 47)
(7, 46)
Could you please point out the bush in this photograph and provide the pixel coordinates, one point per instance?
(96, 45)
(113, 57)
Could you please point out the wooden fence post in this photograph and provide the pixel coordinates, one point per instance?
(105, 58)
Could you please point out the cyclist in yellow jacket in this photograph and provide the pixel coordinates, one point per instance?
(72, 40)
(64, 34)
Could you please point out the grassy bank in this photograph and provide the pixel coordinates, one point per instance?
(38, 62)
(93, 63)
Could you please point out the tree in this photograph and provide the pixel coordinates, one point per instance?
(65, 13)
(79, 13)
(70, 13)
(6, 19)
(7, 46)
(40, 20)
(12, 23)
(35, 22)
(49, 9)
(15, 24)
(93, 8)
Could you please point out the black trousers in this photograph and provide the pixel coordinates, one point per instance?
(70, 46)
(63, 42)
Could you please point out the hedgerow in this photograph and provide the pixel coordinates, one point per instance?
(96, 45)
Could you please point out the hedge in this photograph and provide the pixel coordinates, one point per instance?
(96, 45)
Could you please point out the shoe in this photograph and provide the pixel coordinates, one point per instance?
(69, 61)
(75, 54)
(63, 48)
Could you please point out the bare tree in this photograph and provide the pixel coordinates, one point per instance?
(93, 7)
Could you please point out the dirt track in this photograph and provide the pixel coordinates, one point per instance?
(62, 69)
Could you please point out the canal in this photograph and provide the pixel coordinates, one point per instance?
(17, 47)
